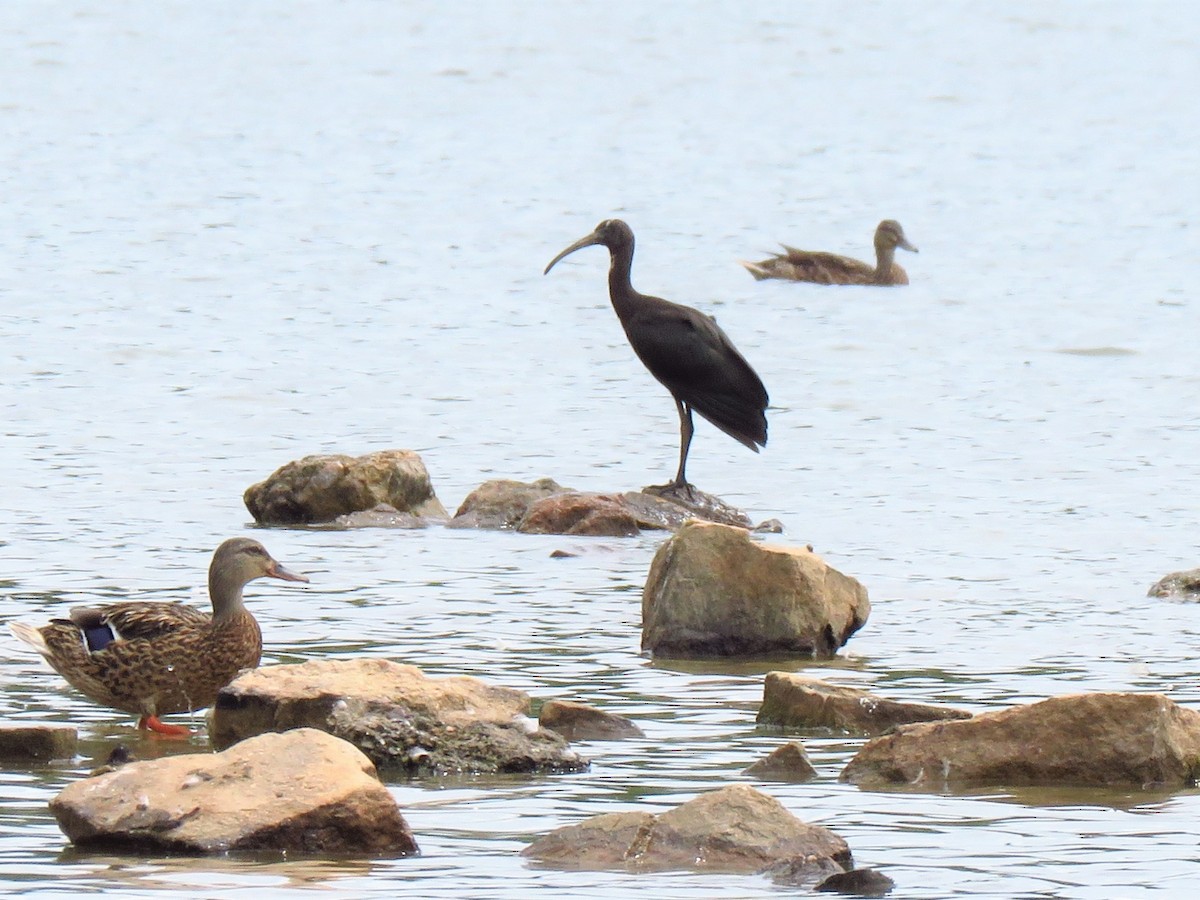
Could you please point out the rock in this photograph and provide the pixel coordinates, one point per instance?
(1079, 740)
(699, 505)
(397, 716)
(546, 507)
(303, 791)
(712, 591)
(858, 883)
(794, 701)
(501, 503)
(321, 488)
(1178, 585)
(381, 516)
(803, 871)
(734, 829)
(580, 722)
(38, 742)
(600, 515)
(787, 763)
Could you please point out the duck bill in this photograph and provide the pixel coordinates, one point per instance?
(587, 241)
(905, 245)
(278, 571)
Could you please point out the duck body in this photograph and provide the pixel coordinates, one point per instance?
(818, 267)
(152, 659)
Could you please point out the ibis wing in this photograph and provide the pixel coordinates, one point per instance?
(697, 362)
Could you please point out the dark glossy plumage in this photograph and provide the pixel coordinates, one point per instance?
(152, 658)
(684, 349)
(829, 268)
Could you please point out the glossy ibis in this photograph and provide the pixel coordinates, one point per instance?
(685, 350)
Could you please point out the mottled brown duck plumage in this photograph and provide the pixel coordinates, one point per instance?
(830, 268)
(153, 658)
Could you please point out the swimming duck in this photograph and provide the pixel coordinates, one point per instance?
(156, 658)
(829, 268)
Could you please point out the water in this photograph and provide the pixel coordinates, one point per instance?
(237, 234)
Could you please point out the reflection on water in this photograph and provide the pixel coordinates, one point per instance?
(235, 239)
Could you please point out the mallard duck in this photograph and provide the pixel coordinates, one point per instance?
(155, 658)
(829, 268)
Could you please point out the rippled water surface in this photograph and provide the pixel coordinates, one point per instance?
(236, 234)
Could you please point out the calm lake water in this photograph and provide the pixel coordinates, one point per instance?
(235, 234)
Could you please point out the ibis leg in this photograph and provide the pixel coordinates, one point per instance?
(685, 443)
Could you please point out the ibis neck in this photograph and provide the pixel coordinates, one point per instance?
(620, 285)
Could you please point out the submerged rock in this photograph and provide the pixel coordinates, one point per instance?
(787, 763)
(793, 701)
(734, 829)
(397, 716)
(321, 488)
(38, 742)
(1080, 740)
(303, 791)
(857, 883)
(580, 722)
(1178, 585)
(712, 591)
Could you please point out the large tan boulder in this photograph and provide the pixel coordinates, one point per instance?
(793, 701)
(712, 591)
(304, 792)
(402, 719)
(1111, 740)
(323, 488)
(734, 829)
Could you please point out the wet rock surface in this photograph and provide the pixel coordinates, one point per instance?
(502, 503)
(302, 791)
(38, 742)
(734, 829)
(793, 701)
(1082, 740)
(401, 719)
(714, 592)
(1178, 585)
(546, 507)
(787, 763)
(319, 489)
(580, 722)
